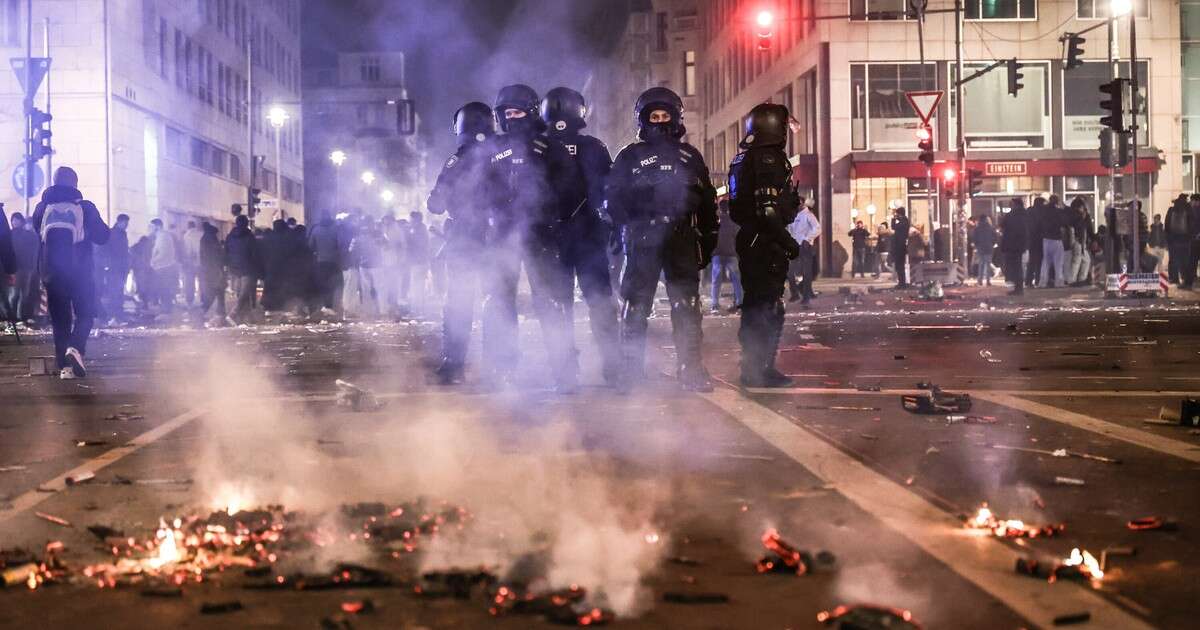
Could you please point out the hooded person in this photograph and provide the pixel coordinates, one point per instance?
(70, 227)
(588, 230)
(211, 272)
(245, 266)
(660, 193)
(533, 187)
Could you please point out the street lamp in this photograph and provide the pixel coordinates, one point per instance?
(338, 157)
(278, 116)
(1121, 7)
(387, 196)
(368, 178)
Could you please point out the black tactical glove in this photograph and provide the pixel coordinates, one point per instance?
(708, 245)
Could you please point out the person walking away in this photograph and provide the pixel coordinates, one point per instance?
(164, 265)
(858, 248)
(114, 260)
(883, 242)
(1194, 225)
(417, 247)
(661, 195)
(899, 246)
(323, 241)
(352, 302)
(1033, 229)
(69, 226)
(190, 261)
(1177, 232)
(763, 201)
(244, 263)
(1052, 244)
(805, 229)
(367, 249)
(1014, 243)
(985, 241)
(1079, 217)
(1158, 237)
(26, 290)
(725, 259)
(459, 193)
(211, 274)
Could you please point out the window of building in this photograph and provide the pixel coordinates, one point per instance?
(162, 48)
(235, 167)
(10, 22)
(660, 31)
(199, 153)
(217, 161)
(878, 9)
(149, 36)
(176, 142)
(1098, 9)
(689, 73)
(189, 75)
(639, 23)
(368, 69)
(1081, 103)
(997, 120)
(1001, 9)
(179, 61)
(881, 117)
(1189, 173)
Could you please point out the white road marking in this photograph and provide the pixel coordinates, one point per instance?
(984, 562)
(1103, 378)
(1067, 393)
(1144, 439)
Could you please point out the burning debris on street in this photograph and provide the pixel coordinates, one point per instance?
(987, 521)
(1079, 565)
(785, 558)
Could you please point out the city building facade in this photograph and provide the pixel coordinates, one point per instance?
(854, 147)
(355, 106)
(150, 104)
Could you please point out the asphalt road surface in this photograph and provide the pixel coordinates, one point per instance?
(630, 497)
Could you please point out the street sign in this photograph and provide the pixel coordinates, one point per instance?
(924, 103)
(1152, 282)
(18, 180)
(1002, 169)
(30, 78)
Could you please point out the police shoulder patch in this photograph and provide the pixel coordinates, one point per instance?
(737, 159)
(451, 162)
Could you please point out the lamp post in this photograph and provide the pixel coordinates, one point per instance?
(338, 157)
(278, 116)
(368, 178)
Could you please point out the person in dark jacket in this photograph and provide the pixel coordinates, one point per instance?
(1177, 232)
(1033, 231)
(984, 238)
(242, 258)
(27, 290)
(113, 269)
(1014, 242)
(323, 241)
(899, 247)
(70, 226)
(725, 259)
(858, 245)
(211, 273)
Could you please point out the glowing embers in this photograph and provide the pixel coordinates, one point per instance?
(786, 558)
(986, 520)
(869, 616)
(1079, 565)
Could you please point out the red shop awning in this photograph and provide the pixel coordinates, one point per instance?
(1047, 167)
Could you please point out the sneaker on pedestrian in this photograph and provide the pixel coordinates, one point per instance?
(734, 309)
(74, 360)
(67, 374)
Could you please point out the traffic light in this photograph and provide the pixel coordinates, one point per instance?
(764, 24)
(1014, 77)
(925, 144)
(974, 182)
(950, 181)
(39, 146)
(406, 117)
(1074, 50)
(1118, 158)
(1114, 91)
(255, 200)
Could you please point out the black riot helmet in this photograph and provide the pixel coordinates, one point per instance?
(520, 97)
(563, 109)
(473, 121)
(654, 99)
(766, 126)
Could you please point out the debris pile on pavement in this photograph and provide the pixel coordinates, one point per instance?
(786, 558)
(986, 520)
(1079, 565)
(868, 616)
(355, 397)
(935, 401)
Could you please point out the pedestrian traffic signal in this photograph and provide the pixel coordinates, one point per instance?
(255, 200)
(974, 182)
(1114, 104)
(1014, 77)
(39, 143)
(765, 29)
(950, 181)
(1074, 50)
(925, 144)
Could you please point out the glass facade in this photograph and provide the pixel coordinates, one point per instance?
(882, 119)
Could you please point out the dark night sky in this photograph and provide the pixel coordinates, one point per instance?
(463, 50)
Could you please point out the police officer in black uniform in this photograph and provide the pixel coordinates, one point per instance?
(586, 233)
(459, 193)
(763, 201)
(659, 191)
(533, 187)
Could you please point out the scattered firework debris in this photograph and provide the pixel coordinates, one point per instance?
(935, 401)
(786, 558)
(986, 520)
(1079, 565)
(868, 616)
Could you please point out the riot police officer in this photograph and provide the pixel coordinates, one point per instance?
(586, 232)
(534, 185)
(659, 191)
(459, 193)
(763, 201)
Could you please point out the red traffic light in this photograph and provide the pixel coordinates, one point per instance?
(764, 19)
(923, 133)
(949, 175)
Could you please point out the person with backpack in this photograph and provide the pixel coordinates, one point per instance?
(1179, 233)
(69, 227)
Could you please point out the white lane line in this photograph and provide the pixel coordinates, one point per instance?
(1144, 439)
(33, 497)
(1103, 378)
(1076, 393)
(984, 562)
